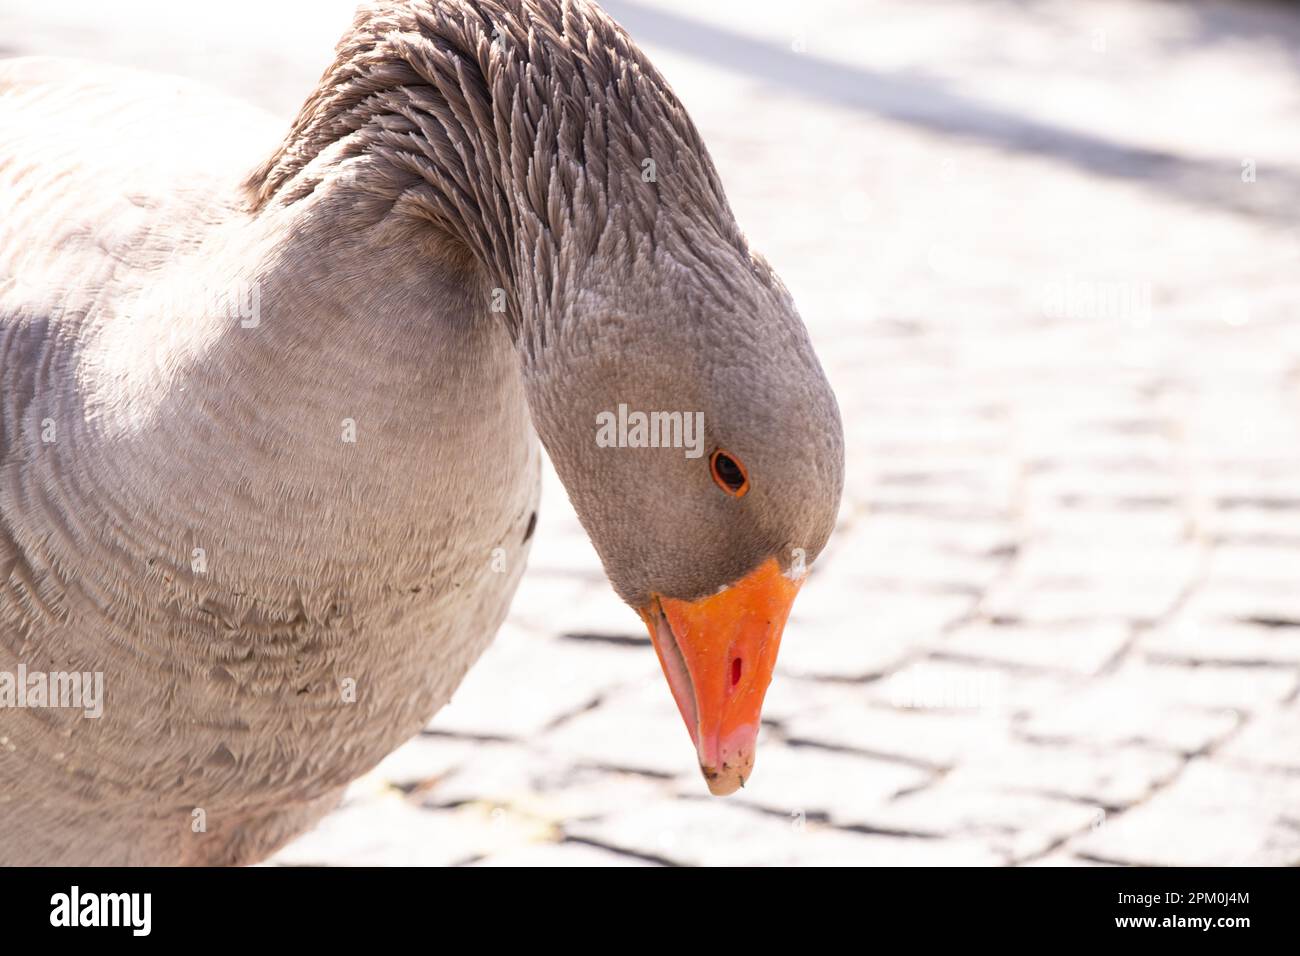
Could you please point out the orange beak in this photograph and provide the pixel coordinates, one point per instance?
(718, 654)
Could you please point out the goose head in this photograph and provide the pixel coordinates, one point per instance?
(709, 535)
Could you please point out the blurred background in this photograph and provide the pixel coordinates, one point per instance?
(1050, 255)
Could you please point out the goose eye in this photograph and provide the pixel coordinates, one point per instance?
(729, 474)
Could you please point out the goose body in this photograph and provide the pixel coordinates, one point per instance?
(326, 560)
(267, 451)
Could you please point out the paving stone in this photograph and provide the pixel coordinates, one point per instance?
(1063, 858)
(1210, 641)
(1270, 740)
(1076, 563)
(1250, 605)
(1253, 525)
(560, 546)
(542, 784)
(790, 696)
(847, 634)
(423, 760)
(569, 554)
(965, 537)
(1213, 815)
(966, 687)
(1100, 776)
(568, 853)
(1078, 648)
(526, 682)
(925, 737)
(1093, 447)
(600, 613)
(926, 491)
(390, 831)
(1053, 583)
(872, 559)
(892, 431)
(709, 833)
(542, 597)
(639, 729)
(1254, 567)
(1016, 826)
(1139, 486)
(1106, 527)
(1148, 723)
(1061, 605)
(1185, 709)
(840, 786)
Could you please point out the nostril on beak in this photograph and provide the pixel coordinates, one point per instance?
(736, 668)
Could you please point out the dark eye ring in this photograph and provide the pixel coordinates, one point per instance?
(729, 474)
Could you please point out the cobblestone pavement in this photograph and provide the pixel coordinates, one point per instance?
(1049, 253)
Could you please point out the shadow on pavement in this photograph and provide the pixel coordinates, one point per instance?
(926, 104)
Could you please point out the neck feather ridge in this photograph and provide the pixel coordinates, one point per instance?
(533, 132)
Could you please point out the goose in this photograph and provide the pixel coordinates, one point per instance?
(272, 411)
